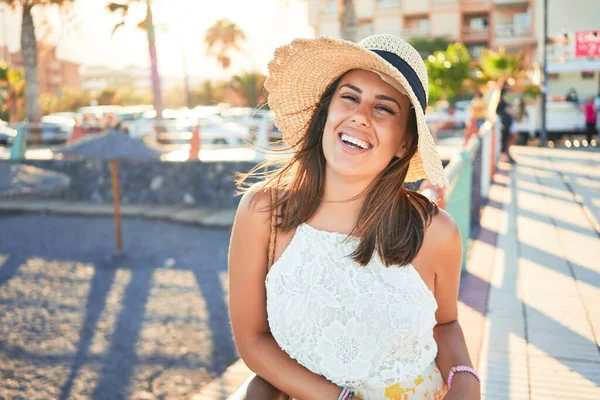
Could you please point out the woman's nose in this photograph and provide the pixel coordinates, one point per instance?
(361, 117)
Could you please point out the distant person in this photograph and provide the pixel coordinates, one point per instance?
(113, 124)
(591, 117)
(522, 110)
(78, 130)
(572, 96)
(478, 109)
(597, 107)
(505, 116)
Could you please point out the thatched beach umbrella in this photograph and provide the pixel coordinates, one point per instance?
(112, 147)
(25, 180)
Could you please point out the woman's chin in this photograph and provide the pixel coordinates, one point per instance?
(348, 170)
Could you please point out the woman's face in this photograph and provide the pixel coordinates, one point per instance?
(365, 126)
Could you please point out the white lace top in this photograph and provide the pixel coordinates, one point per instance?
(361, 327)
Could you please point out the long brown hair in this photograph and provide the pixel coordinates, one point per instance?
(392, 220)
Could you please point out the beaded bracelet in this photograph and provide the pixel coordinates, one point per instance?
(346, 394)
(461, 368)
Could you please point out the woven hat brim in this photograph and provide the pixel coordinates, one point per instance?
(301, 71)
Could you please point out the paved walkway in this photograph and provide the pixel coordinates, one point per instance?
(534, 273)
(79, 322)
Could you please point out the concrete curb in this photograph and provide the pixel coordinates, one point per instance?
(219, 218)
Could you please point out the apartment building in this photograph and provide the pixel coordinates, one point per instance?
(101, 77)
(517, 25)
(53, 73)
(477, 23)
(571, 24)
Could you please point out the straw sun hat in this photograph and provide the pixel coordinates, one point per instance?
(301, 71)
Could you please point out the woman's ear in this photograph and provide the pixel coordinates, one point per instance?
(406, 143)
(402, 150)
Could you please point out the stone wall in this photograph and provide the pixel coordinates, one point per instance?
(206, 184)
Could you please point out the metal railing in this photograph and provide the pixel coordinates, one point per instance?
(473, 33)
(469, 174)
(510, 31)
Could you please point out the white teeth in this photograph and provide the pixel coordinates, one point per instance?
(360, 143)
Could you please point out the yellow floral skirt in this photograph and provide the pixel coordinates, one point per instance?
(429, 385)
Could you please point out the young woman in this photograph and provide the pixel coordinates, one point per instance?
(344, 284)
(590, 120)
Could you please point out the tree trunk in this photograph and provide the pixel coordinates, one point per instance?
(156, 91)
(186, 80)
(13, 107)
(348, 20)
(29, 52)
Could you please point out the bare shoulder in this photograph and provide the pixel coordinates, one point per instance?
(255, 203)
(443, 228)
(442, 236)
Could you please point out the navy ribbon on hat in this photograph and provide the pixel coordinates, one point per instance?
(409, 73)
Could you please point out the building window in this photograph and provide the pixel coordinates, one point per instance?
(521, 19)
(423, 25)
(478, 24)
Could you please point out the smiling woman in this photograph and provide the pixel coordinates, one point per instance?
(343, 283)
(364, 119)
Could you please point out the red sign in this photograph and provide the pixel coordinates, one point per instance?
(587, 44)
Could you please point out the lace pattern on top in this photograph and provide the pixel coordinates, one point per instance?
(357, 326)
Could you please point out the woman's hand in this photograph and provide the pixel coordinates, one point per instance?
(464, 387)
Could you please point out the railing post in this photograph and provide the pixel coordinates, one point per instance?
(476, 167)
(486, 160)
(19, 145)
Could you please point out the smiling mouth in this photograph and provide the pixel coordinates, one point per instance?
(354, 142)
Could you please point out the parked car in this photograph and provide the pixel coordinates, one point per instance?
(462, 113)
(176, 126)
(253, 119)
(217, 130)
(7, 134)
(99, 111)
(65, 114)
(56, 128)
(128, 115)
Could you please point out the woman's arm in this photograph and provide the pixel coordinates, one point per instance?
(247, 303)
(446, 256)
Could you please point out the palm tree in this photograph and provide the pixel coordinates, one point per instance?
(221, 38)
(146, 24)
(12, 83)
(348, 20)
(29, 52)
(499, 66)
(249, 86)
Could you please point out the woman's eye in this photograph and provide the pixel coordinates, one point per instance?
(383, 108)
(349, 97)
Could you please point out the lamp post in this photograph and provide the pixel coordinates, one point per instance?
(544, 132)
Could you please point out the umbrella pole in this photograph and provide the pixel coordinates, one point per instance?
(114, 167)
